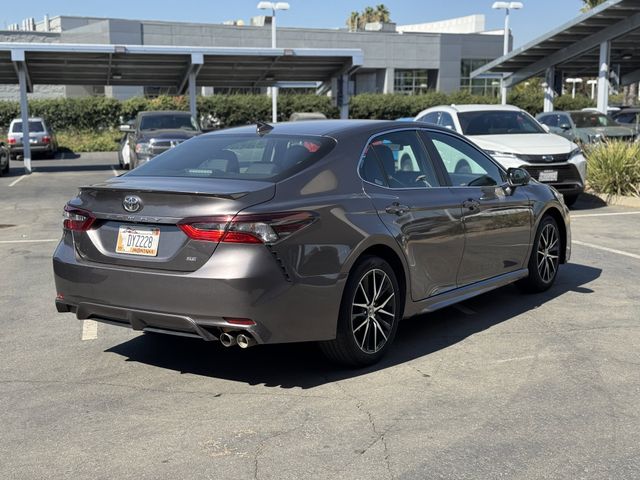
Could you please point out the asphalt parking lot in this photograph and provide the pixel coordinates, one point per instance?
(503, 386)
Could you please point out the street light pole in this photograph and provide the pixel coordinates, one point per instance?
(507, 7)
(273, 6)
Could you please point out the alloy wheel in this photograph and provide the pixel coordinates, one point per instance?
(373, 311)
(548, 253)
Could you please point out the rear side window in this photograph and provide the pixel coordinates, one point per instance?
(34, 127)
(398, 160)
(246, 157)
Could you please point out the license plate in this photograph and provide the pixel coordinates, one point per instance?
(548, 176)
(138, 241)
(33, 140)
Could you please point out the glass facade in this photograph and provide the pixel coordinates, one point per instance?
(410, 82)
(478, 86)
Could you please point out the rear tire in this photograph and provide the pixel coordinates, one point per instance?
(545, 257)
(4, 156)
(370, 311)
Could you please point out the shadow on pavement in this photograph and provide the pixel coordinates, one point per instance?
(302, 365)
(587, 201)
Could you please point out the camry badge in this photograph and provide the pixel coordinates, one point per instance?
(132, 203)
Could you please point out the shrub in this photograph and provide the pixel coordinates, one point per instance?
(614, 168)
(89, 140)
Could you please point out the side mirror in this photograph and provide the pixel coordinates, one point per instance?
(565, 126)
(126, 128)
(518, 177)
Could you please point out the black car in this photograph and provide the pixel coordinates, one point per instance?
(152, 133)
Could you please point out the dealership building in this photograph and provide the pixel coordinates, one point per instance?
(405, 59)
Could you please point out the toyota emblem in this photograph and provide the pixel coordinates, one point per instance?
(132, 203)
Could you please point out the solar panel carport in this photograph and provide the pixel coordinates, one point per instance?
(28, 64)
(601, 42)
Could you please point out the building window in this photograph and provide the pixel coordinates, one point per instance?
(478, 86)
(411, 82)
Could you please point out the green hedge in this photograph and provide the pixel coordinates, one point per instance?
(100, 113)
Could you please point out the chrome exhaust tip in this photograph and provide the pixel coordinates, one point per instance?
(245, 341)
(228, 340)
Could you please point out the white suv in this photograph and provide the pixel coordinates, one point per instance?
(515, 139)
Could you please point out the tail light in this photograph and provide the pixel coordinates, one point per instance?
(263, 228)
(46, 139)
(76, 219)
(12, 141)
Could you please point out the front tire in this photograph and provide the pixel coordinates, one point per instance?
(545, 257)
(370, 311)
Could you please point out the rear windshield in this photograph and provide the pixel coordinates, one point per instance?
(245, 157)
(592, 119)
(498, 122)
(168, 122)
(34, 127)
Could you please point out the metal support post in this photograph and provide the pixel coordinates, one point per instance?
(603, 77)
(549, 93)
(24, 110)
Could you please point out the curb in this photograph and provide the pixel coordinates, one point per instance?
(622, 201)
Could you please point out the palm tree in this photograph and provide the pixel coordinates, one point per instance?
(382, 12)
(369, 16)
(589, 4)
(353, 21)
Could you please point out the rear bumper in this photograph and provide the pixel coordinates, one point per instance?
(239, 281)
(35, 148)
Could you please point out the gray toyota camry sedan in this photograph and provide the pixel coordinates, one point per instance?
(327, 231)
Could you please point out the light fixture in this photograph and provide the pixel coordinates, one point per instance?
(627, 56)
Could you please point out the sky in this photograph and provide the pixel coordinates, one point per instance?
(537, 17)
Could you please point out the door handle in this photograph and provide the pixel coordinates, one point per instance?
(471, 204)
(397, 209)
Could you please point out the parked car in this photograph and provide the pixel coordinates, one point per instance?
(629, 117)
(303, 116)
(42, 138)
(5, 157)
(153, 133)
(514, 139)
(309, 231)
(586, 127)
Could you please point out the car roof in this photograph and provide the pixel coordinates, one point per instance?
(484, 107)
(151, 113)
(329, 127)
(31, 119)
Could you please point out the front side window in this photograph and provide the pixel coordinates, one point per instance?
(498, 122)
(466, 166)
(238, 156)
(550, 120)
(401, 159)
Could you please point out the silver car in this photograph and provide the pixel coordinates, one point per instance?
(329, 231)
(42, 139)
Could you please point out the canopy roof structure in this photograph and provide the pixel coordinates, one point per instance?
(604, 40)
(29, 64)
(166, 66)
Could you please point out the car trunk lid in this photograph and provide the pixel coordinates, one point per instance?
(162, 204)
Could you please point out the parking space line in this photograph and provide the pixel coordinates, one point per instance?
(20, 178)
(604, 214)
(606, 249)
(89, 330)
(45, 240)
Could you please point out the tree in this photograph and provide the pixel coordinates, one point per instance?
(589, 4)
(358, 20)
(353, 21)
(382, 12)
